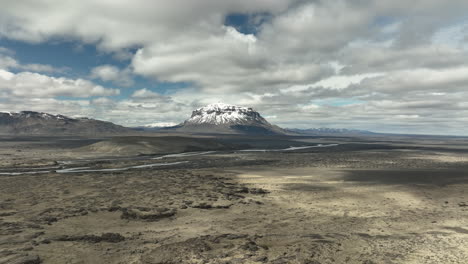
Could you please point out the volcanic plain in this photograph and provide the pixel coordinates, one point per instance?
(234, 199)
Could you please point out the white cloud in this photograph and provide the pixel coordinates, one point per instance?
(418, 80)
(146, 94)
(230, 61)
(102, 101)
(44, 68)
(334, 82)
(7, 62)
(34, 85)
(113, 74)
(6, 51)
(161, 124)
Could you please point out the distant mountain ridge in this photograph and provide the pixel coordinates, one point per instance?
(330, 131)
(227, 119)
(39, 123)
(212, 119)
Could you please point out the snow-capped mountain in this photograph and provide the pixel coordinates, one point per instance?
(224, 118)
(224, 114)
(37, 123)
(32, 114)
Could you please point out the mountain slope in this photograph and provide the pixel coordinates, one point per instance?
(135, 145)
(37, 123)
(228, 119)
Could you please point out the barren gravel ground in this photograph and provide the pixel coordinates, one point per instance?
(358, 202)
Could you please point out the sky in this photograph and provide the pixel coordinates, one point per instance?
(379, 65)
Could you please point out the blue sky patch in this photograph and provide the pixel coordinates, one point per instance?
(247, 23)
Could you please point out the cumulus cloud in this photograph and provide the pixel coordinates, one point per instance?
(418, 80)
(146, 94)
(113, 74)
(28, 84)
(7, 62)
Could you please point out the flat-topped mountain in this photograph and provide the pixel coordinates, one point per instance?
(228, 119)
(38, 123)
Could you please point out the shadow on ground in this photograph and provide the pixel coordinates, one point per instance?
(426, 177)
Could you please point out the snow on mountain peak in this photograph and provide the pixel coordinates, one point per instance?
(32, 114)
(221, 107)
(220, 113)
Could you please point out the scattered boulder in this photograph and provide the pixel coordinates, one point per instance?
(49, 219)
(106, 237)
(250, 246)
(147, 214)
(25, 259)
(258, 191)
(204, 205)
(262, 259)
(242, 190)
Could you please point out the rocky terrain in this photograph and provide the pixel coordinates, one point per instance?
(353, 201)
